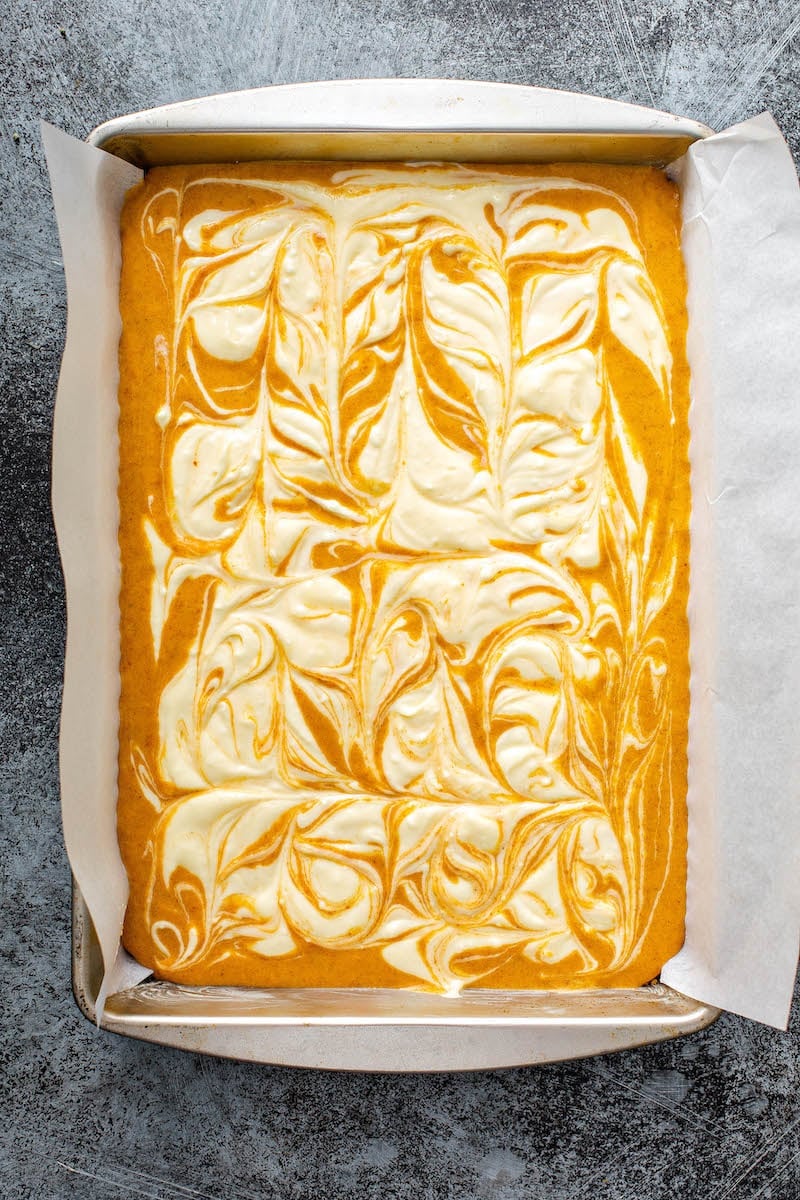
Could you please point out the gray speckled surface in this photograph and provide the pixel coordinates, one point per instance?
(91, 1115)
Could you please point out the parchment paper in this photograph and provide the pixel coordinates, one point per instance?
(741, 211)
(88, 189)
(741, 243)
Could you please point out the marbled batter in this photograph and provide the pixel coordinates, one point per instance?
(404, 528)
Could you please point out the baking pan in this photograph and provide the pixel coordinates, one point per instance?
(375, 1029)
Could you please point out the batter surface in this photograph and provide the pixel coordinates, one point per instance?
(404, 502)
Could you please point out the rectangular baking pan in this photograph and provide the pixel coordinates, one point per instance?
(373, 1029)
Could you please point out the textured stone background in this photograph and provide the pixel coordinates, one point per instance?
(91, 1115)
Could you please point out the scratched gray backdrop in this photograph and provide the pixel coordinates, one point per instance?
(90, 1115)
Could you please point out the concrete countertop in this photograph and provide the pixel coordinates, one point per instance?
(90, 1115)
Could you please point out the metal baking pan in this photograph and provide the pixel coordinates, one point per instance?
(374, 1029)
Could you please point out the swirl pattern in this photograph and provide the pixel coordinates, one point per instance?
(404, 504)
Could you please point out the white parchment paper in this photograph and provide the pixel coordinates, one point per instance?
(88, 189)
(741, 212)
(741, 243)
